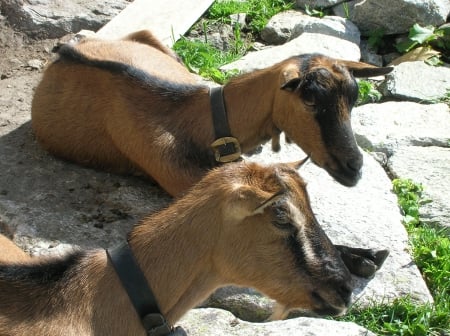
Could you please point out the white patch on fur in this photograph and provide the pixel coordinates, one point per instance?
(300, 220)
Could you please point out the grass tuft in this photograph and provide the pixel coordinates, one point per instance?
(431, 251)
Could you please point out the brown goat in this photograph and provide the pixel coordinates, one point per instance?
(130, 105)
(242, 224)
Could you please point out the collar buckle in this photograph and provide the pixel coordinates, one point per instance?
(226, 149)
(156, 325)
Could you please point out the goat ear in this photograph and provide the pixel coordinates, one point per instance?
(291, 85)
(297, 164)
(248, 201)
(360, 69)
(268, 202)
(291, 78)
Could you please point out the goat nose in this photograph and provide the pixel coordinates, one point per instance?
(355, 163)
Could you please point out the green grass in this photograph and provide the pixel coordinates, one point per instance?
(367, 93)
(430, 247)
(258, 12)
(204, 59)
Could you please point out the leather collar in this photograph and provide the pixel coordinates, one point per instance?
(140, 294)
(226, 147)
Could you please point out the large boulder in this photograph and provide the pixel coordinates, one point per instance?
(54, 19)
(417, 81)
(290, 24)
(415, 140)
(394, 17)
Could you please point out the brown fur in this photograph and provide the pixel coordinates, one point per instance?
(242, 224)
(103, 118)
(9, 252)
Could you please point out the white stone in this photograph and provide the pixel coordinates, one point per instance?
(417, 81)
(217, 322)
(305, 43)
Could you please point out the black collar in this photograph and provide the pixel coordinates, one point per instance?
(226, 148)
(140, 294)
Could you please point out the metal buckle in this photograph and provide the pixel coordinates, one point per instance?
(156, 325)
(223, 142)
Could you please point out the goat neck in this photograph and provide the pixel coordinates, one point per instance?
(249, 102)
(175, 254)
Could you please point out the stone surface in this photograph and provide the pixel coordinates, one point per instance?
(386, 126)
(316, 3)
(279, 28)
(329, 25)
(291, 24)
(415, 138)
(216, 322)
(305, 43)
(394, 17)
(429, 166)
(417, 81)
(37, 19)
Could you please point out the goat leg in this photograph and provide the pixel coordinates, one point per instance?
(362, 262)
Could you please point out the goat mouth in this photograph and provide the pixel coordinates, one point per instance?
(325, 308)
(348, 178)
(345, 176)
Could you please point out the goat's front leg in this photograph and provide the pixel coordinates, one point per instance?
(362, 262)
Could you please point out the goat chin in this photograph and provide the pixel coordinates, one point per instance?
(280, 312)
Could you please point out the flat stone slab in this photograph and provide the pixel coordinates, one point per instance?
(429, 166)
(415, 139)
(167, 20)
(217, 322)
(417, 81)
(386, 126)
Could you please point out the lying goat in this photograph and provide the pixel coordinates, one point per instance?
(130, 105)
(242, 224)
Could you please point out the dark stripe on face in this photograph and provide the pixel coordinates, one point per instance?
(299, 254)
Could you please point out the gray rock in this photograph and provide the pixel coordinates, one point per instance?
(394, 17)
(316, 3)
(387, 126)
(305, 43)
(417, 81)
(416, 139)
(290, 24)
(279, 28)
(368, 55)
(37, 19)
(429, 166)
(217, 322)
(329, 25)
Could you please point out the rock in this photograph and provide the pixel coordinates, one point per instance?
(316, 3)
(429, 166)
(279, 28)
(329, 25)
(37, 19)
(417, 81)
(290, 24)
(416, 139)
(217, 322)
(394, 17)
(387, 126)
(305, 43)
(368, 55)
(35, 64)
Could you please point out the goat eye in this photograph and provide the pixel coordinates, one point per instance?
(281, 218)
